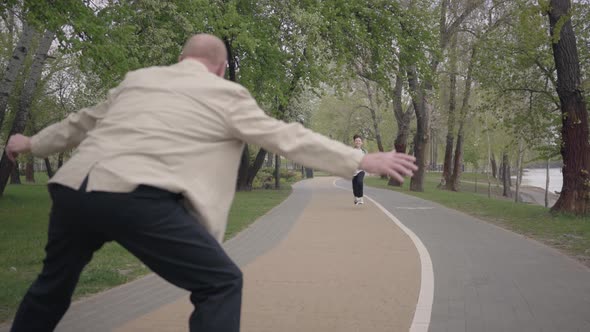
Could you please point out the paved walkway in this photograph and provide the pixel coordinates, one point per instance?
(340, 268)
(490, 279)
(318, 263)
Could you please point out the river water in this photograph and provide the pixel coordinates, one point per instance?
(535, 177)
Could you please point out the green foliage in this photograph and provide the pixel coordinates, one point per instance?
(290, 175)
(342, 116)
(516, 78)
(265, 177)
(300, 59)
(382, 37)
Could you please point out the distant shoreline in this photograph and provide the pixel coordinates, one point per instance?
(536, 177)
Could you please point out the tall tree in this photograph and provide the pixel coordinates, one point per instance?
(575, 150)
(448, 160)
(505, 175)
(458, 157)
(14, 67)
(403, 119)
(373, 105)
(24, 105)
(422, 90)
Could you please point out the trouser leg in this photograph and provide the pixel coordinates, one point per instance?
(360, 178)
(158, 230)
(69, 248)
(357, 184)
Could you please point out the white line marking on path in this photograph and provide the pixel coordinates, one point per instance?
(421, 320)
(413, 208)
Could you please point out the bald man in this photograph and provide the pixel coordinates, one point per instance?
(139, 178)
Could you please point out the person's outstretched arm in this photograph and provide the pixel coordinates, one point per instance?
(60, 136)
(250, 124)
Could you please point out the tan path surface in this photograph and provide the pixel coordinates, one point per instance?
(340, 268)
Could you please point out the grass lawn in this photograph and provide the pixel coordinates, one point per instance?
(24, 211)
(567, 233)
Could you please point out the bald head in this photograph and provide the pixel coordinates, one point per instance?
(209, 50)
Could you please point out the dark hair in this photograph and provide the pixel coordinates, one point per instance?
(356, 136)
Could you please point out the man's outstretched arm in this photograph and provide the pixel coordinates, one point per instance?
(60, 136)
(250, 124)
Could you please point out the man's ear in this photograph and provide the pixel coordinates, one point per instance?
(221, 69)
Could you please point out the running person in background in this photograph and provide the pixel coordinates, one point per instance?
(359, 175)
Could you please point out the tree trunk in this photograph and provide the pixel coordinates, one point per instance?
(575, 148)
(231, 60)
(277, 171)
(60, 160)
(252, 171)
(48, 167)
(14, 67)
(242, 183)
(505, 161)
(434, 149)
(377, 131)
(402, 118)
(403, 122)
(26, 99)
(15, 174)
(372, 108)
(547, 184)
(457, 162)
(458, 158)
(269, 159)
(244, 172)
(519, 159)
(420, 93)
(448, 162)
(30, 170)
(494, 166)
(490, 155)
(421, 108)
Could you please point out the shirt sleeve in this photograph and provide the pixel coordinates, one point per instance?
(69, 132)
(250, 124)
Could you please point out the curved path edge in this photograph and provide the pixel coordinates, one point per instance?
(421, 320)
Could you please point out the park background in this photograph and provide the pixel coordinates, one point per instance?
(468, 86)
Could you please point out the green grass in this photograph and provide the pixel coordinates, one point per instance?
(567, 233)
(248, 206)
(24, 211)
(321, 173)
(481, 178)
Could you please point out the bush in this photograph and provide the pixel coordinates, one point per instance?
(265, 178)
(290, 175)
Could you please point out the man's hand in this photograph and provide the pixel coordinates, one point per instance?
(394, 164)
(17, 144)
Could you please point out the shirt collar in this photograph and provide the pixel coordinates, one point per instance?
(192, 64)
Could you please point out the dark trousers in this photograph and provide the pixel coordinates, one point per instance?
(153, 225)
(357, 184)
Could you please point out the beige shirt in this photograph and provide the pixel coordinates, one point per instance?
(182, 129)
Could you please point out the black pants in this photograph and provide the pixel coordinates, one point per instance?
(357, 184)
(153, 225)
